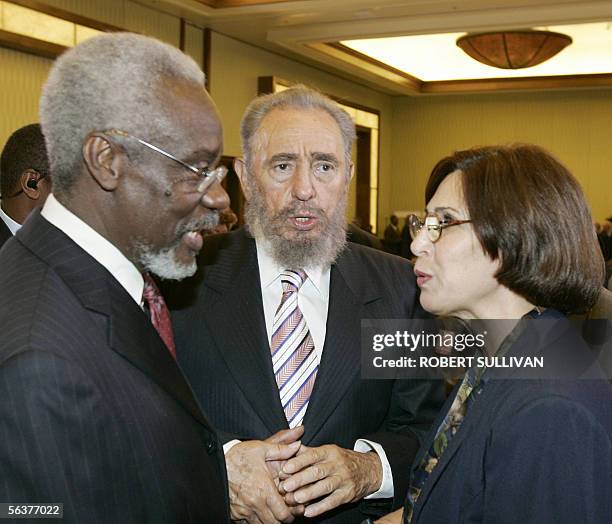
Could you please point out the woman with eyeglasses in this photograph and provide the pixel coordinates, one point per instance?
(508, 235)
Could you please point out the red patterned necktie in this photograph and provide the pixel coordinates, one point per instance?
(160, 315)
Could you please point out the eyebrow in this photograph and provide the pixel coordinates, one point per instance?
(282, 157)
(444, 208)
(326, 157)
(316, 156)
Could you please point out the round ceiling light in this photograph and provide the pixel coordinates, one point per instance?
(513, 49)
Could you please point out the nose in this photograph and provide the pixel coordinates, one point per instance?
(421, 245)
(302, 187)
(216, 197)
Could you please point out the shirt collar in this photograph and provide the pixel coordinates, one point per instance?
(270, 270)
(103, 251)
(10, 223)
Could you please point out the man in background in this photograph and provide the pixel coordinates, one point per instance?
(271, 340)
(24, 178)
(393, 236)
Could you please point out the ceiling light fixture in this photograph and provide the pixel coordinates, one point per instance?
(513, 49)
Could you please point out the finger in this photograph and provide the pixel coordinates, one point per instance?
(283, 476)
(280, 451)
(327, 504)
(295, 507)
(276, 509)
(303, 460)
(265, 516)
(286, 436)
(317, 490)
(305, 477)
(290, 500)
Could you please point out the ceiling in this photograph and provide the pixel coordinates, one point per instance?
(310, 31)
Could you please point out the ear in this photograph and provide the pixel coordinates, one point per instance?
(103, 158)
(351, 170)
(241, 170)
(29, 183)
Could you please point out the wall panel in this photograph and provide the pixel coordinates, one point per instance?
(574, 125)
(20, 82)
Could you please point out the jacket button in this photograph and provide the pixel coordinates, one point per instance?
(211, 446)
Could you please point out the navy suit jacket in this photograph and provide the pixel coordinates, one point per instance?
(223, 347)
(94, 412)
(528, 451)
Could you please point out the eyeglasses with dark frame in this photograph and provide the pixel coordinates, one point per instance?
(432, 224)
(208, 176)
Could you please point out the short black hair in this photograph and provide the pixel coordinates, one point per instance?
(25, 149)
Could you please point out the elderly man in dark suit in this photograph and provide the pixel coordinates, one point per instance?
(95, 413)
(24, 178)
(271, 338)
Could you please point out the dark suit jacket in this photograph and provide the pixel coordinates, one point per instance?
(224, 350)
(393, 238)
(5, 233)
(528, 451)
(95, 413)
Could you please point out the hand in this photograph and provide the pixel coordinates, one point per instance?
(284, 436)
(253, 491)
(336, 474)
(392, 518)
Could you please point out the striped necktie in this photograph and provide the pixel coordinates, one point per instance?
(294, 358)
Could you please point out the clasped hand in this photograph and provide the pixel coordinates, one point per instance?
(279, 479)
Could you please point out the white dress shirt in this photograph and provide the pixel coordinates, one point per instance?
(97, 246)
(313, 301)
(10, 223)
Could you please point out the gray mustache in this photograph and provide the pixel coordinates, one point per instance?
(209, 221)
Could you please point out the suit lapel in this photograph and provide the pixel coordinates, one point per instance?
(130, 332)
(133, 336)
(244, 346)
(340, 362)
(471, 423)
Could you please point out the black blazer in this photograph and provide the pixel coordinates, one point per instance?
(95, 413)
(5, 233)
(223, 348)
(528, 450)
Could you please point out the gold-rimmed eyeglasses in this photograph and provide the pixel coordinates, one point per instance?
(207, 176)
(433, 225)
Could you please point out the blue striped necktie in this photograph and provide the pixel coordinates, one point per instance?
(294, 358)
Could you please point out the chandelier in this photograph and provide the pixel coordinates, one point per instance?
(513, 49)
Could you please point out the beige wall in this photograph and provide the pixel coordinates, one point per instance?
(23, 74)
(235, 68)
(415, 132)
(575, 125)
(20, 81)
(125, 14)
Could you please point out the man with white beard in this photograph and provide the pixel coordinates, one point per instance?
(270, 340)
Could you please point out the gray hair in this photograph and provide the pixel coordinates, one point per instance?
(108, 82)
(300, 97)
